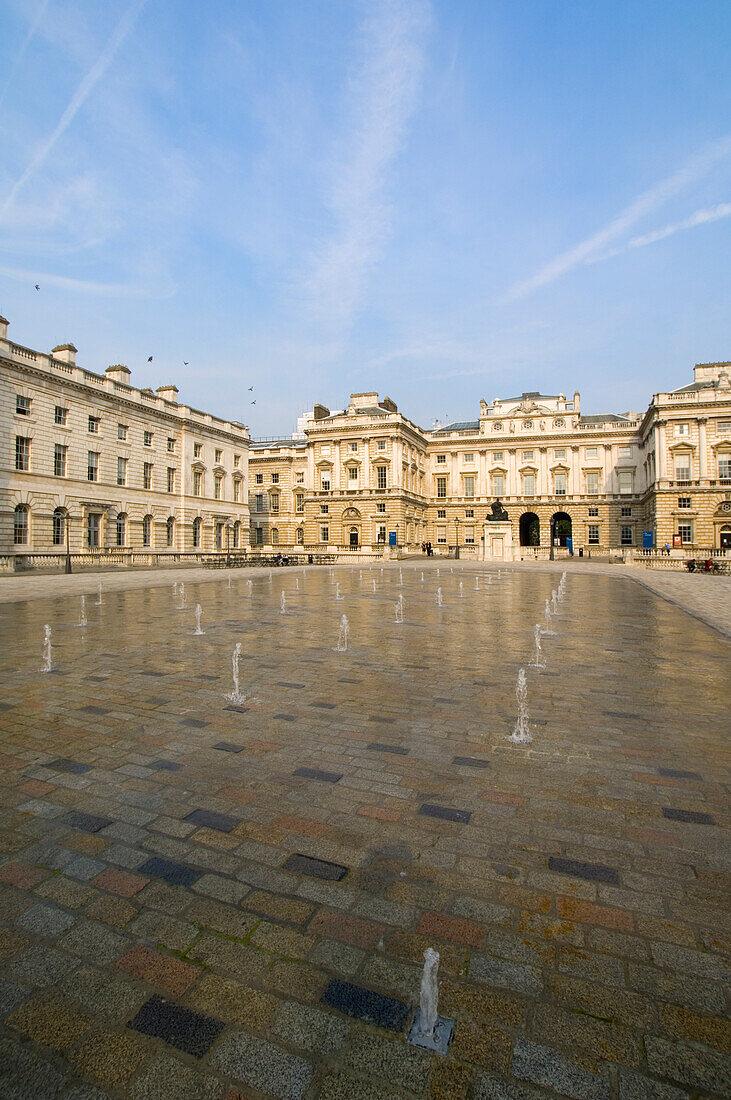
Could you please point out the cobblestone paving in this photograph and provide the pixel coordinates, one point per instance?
(216, 899)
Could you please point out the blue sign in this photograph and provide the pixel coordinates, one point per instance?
(570, 544)
(392, 538)
(648, 540)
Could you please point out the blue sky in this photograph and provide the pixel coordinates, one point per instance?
(442, 201)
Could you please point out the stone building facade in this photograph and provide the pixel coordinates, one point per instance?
(90, 461)
(135, 469)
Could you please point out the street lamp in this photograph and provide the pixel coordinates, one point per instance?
(553, 535)
(67, 520)
(456, 528)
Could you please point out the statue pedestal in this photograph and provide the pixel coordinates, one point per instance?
(498, 541)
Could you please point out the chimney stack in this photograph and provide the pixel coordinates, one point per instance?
(168, 393)
(65, 353)
(119, 373)
(4, 328)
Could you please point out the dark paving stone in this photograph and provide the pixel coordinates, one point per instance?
(95, 710)
(194, 723)
(442, 699)
(396, 750)
(593, 872)
(324, 706)
(97, 679)
(678, 773)
(316, 868)
(149, 672)
(6, 706)
(445, 812)
(619, 714)
(179, 1027)
(228, 746)
(286, 717)
(88, 823)
(165, 766)
(287, 684)
(470, 762)
(222, 823)
(158, 702)
(363, 1004)
(315, 773)
(206, 676)
(344, 679)
(381, 720)
(236, 708)
(176, 873)
(70, 766)
(688, 815)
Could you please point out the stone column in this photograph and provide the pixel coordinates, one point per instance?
(702, 447)
(542, 487)
(660, 460)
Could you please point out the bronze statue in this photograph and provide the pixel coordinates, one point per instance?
(498, 512)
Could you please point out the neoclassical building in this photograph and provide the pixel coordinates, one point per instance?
(123, 468)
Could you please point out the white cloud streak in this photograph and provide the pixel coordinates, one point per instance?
(701, 217)
(382, 94)
(693, 170)
(40, 12)
(95, 73)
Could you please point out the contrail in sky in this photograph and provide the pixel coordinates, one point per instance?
(21, 52)
(95, 73)
(700, 217)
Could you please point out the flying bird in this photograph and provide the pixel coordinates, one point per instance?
(37, 287)
(250, 387)
(185, 362)
(149, 359)
(253, 402)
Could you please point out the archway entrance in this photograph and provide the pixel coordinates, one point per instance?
(530, 529)
(561, 529)
(724, 537)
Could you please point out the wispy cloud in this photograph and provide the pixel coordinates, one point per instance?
(382, 95)
(95, 73)
(693, 170)
(20, 54)
(701, 217)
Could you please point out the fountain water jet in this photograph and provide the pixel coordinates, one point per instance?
(399, 608)
(283, 605)
(429, 1029)
(337, 591)
(554, 602)
(401, 578)
(461, 590)
(343, 633)
(477, 583)
(47, 665)
(235, 696)
(538, 661)
(439, 597)
(181, 596)
(521, 735)
(99, 597)
(83, 621)
(198, 620)
(374, 584)
(548, 630)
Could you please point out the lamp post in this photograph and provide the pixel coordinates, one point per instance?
(456, 528)
(552, 535)
(67, 520)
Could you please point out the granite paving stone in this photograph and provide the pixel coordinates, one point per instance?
(177, 873)
(262, 1065)
(317, 868)
(180, 1027)
(24, 1073)
(365, 1004)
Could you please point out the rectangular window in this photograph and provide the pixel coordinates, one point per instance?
(723, 425)
(259, 502)
(121, 471)
(60, 416)
(380, 477)
(60, 454)
(382, 444)
(593, 534)
(441, 535)
(353, 446)
(92, 466)
(325, 483)
(593, 511)
(171, 479)
(441, 458)
(197, 483)
(529, 485)
(219, 455)
(324, 509)
(469, 513)
(527, 456)
(469, 535)
(497, 456)
(237, 461)
(724, 468)
(626, 536)
(684, 502)
(217, 484)
(590, 452)
(559, 452)
(122, 431)
(259, 479)
(275, 502)
(171, 445)
(147, 439)
(624, 452)
(197, 450)
(682, 429)
(682, 468)
(94, 422)
(625, 510)
(441, 513)
(147, 475)
(22, 405)
(625, 479)
(299, 502)
(93, 523)
(685, 530)
(381, 536)
(469, 486)
(498, 485)
(380, 507)
(22, 452)
(352, 473)
(299, 478)
(441, 486)
(559, 482)
(237, 491)
(324, 534)
(469, 458)
(592, 484)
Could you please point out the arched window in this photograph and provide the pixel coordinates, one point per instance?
(170, 529)
(121, 528)
(236, 535)
(59, 526)
(300, 536)
(197, 525)
(275, 536)
(20, 525)
(147, 531)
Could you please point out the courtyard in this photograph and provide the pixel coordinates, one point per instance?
(223, 898)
